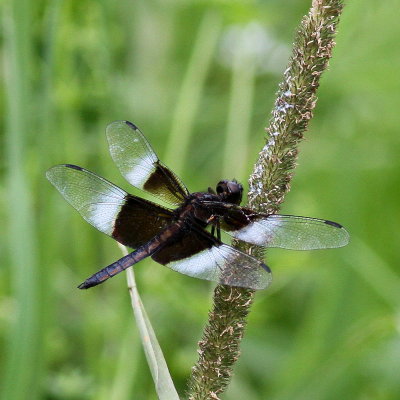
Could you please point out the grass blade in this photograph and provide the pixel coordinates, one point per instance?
(23, 359)
(158, 367)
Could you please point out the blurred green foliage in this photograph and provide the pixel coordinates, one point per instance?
(199, 78)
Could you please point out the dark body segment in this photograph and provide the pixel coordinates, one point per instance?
(127, 261)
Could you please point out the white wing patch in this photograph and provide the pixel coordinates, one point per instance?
(139, 173)
(257, 232)
(292, 232)
(102, 214)
(226, 265)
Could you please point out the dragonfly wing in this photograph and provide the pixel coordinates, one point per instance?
(140, 165)
(129, 219)
(201, 256)
(286, 231)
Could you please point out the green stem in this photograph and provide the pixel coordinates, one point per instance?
(269, 182)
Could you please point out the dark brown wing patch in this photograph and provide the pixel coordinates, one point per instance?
(139, 221)
(165, 184)
(184, 245)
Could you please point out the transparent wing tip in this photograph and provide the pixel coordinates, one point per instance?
(51, 173)
(344, 235)
(121, 123)
(265, 266)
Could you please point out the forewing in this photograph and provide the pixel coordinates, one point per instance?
(202, 256)
(129, 219)
(140, 165)
(286, 231)
(96, 199)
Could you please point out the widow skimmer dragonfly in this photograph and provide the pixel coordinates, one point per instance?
(177, 238)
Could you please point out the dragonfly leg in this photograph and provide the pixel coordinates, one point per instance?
(218, 229)
(215, 226)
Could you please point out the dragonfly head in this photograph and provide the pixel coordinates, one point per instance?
(230, 191)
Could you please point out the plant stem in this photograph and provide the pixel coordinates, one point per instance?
(269, 182)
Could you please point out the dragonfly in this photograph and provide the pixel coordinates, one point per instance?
(185, 237)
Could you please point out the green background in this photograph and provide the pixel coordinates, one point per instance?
(198, 77)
